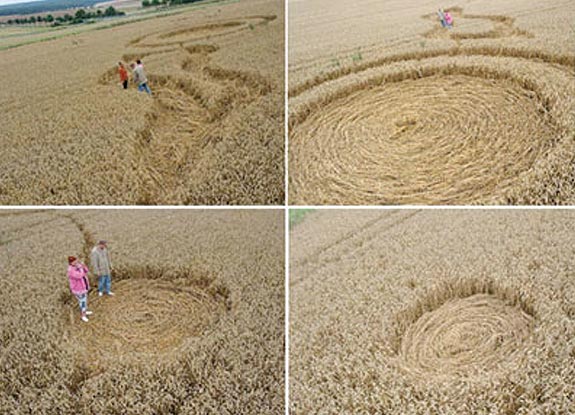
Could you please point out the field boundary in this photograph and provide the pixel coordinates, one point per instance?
(181, 9)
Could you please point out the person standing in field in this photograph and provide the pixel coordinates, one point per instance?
(123, 75)
(140, 77)
(441, 15)
(448, 19)
(102, 267)
(79, 284)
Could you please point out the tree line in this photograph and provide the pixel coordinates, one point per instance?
(79, 17)
(149, 3)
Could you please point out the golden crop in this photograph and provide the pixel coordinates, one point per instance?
(196, 325)
(432, 312)
(386, 107)
(212, 134)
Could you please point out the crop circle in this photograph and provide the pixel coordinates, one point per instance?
(437, 139)
(465, 336)
(146, 316)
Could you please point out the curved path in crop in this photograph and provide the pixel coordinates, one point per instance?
(189, 104)
(460, 125)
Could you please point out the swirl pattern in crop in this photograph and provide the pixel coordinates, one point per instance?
(192, 100)
(464, 335)
(146, 317)
(461, 125)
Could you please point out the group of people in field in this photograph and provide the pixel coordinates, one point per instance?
(78, 276)
(445, 18)
(138, 76)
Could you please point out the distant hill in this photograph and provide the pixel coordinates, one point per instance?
(44, 6)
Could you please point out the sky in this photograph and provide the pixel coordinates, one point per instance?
(5, 2)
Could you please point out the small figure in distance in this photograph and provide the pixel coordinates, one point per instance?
(102, 267)
(79, 284)
(123, 75)
(448, 19)
(140, 77)
(441, 15)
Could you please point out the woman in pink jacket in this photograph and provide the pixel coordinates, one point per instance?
(79, 284)
(448, 20)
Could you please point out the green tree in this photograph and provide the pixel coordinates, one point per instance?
(80, 14)
(155, 3)
(49, 18)
(146, 3)
(32, 20)
(110, 11)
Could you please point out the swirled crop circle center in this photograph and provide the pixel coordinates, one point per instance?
(438, 139)
(144, 317)
(465, 335)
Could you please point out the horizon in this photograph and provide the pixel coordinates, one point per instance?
(11, 2)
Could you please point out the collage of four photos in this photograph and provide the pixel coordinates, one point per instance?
(291, 207)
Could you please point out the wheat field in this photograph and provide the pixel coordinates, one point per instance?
(387, 107)
(213, 133)
(443, 312)
(196, 325)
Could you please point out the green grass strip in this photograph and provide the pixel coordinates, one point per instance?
(296, 216)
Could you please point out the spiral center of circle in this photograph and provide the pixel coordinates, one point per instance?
(146, 317)
(465, 335)
(438, 139)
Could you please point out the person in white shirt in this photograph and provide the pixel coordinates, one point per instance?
(102, 267)
(140, 77)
